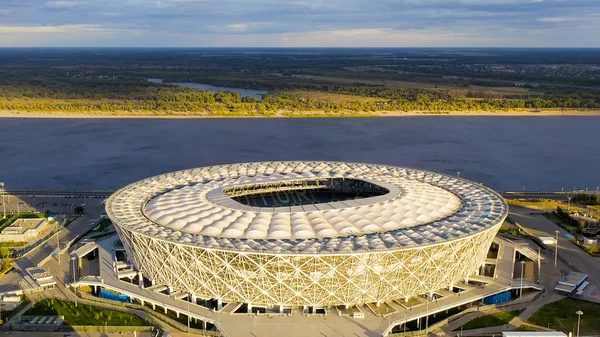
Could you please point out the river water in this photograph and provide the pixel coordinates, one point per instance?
(258, 94)
(506, 153)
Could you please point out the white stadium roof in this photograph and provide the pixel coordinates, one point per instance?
(421, 208)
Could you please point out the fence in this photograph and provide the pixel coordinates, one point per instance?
(26, 250)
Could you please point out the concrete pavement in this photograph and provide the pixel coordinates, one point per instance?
(568, 253)
(512, 325)
(93, 210)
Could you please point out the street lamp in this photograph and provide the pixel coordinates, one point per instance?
(427, 317)
(3, 202)
(74, 268)
(569, 204)
(579, 313)
(556, 250)
(522, 275)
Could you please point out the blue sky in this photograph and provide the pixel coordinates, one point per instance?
(300, 23)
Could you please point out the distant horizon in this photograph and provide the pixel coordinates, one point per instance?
(300, 23)
(290, 48)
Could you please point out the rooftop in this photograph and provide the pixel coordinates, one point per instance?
(19, 226)
(205, 209)
(198, 207)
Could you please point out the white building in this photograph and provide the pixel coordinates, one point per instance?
(24, 230)
(313, 234)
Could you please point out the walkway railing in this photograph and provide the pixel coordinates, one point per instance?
(157, 315)
(439, 325)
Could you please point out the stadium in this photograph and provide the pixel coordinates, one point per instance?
(306, 234)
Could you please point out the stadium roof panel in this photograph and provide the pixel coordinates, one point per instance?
(420, 208)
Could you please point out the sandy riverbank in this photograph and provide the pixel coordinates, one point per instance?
(543, 113)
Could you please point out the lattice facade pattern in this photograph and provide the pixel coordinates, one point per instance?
(319, 280)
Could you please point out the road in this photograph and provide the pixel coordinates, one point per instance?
(54, 204)
(65, 193)
(94, 208)
(567, 251)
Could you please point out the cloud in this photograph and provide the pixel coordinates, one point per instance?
(58, 29)
(240, 27)
(557, 19)
(62, 4)
(294, 22)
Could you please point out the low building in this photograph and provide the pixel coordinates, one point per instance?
(42, 277)
(569, 283)
(24, 230)
(533, 334)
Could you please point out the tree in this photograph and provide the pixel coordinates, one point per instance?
(6, 264)
(593, 249)
(582, 225)
(4, 252)
(79, 210)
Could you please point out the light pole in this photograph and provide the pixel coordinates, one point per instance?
(188, 313)
(522, 275)
(569, 204)
(556, 250)
(57, 241)
(74, 268)
(539, 263)
(579, 313)
(3, 202)
(427, 317)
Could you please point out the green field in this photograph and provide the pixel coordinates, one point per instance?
(103, 225)
(495, 319)
(561, 316)
(527, 328)
(85, 314)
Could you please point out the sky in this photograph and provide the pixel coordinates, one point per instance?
(299, 23)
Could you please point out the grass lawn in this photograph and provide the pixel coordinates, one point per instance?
(527, 328)
(412, 302)
(85, 314)
(561, 316)
(103, 225)
(495, 319)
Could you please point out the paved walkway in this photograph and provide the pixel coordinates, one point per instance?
(67, 234)
(530, 309)
(570, 255)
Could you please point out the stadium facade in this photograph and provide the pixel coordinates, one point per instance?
(318, 234)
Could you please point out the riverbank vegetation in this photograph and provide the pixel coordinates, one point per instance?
(349, 83)
(138, 96)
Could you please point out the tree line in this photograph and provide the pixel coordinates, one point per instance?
(130, 95)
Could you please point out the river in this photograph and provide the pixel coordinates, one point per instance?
(258, 94)
(506, 153)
